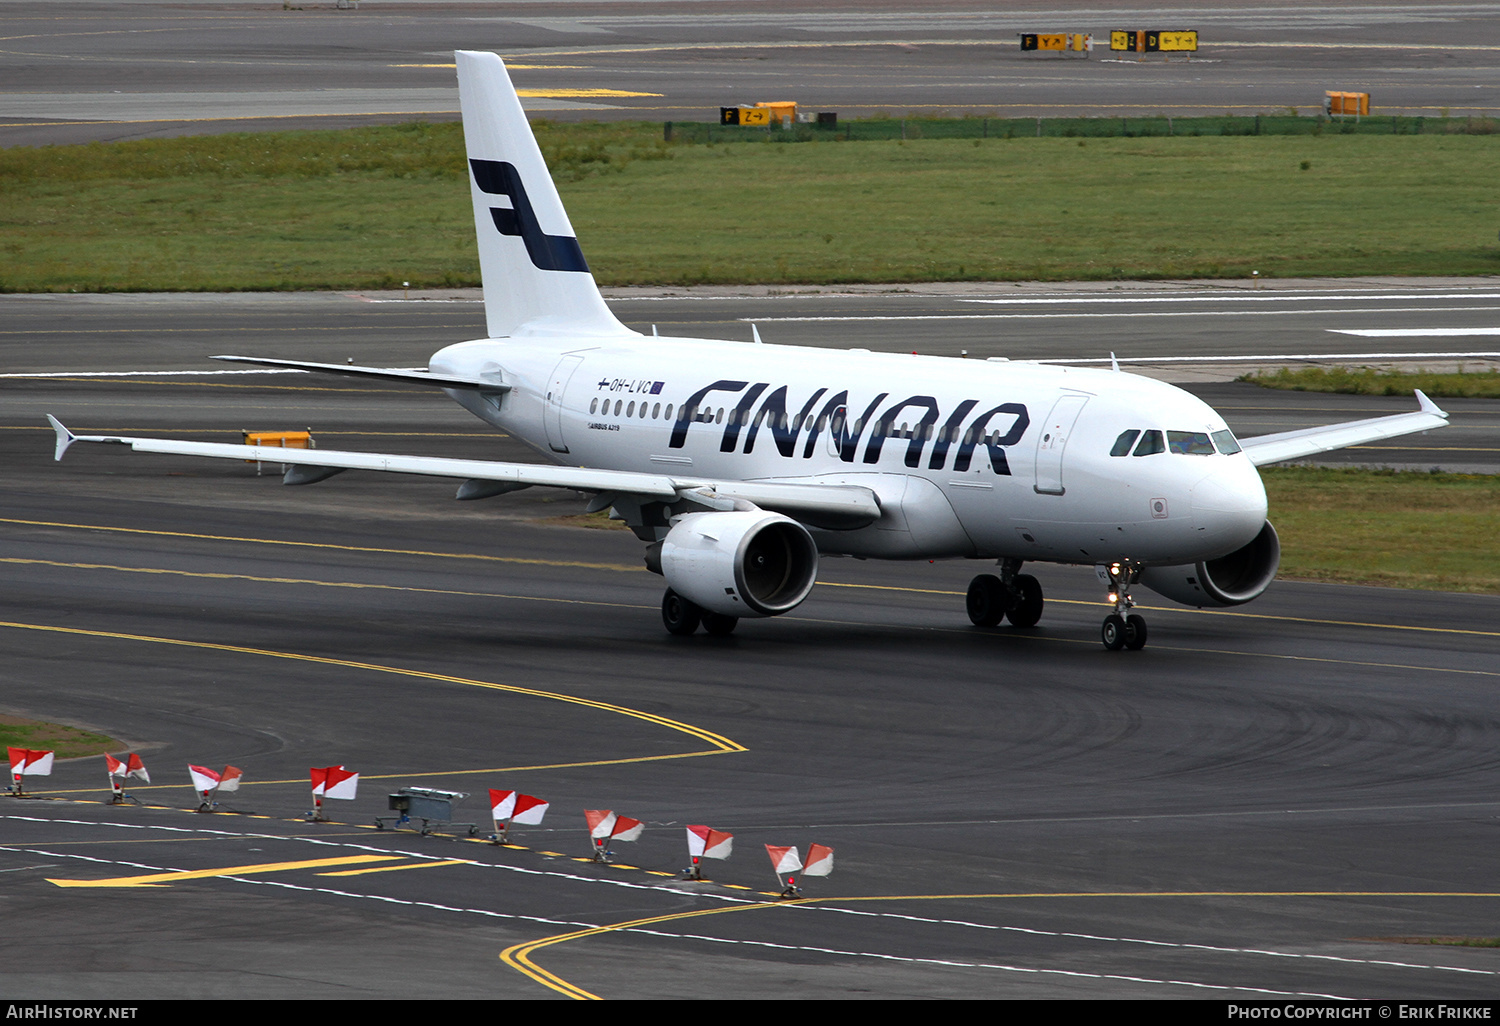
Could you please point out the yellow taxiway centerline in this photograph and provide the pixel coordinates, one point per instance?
(397, 869)
(158, 879)
(517, 956)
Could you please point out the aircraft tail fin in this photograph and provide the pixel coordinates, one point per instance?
(535, 279)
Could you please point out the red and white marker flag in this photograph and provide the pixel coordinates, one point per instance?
(600, 821)
(30, 762)
(515, 807)
(604, 825)
(205, 779)
(131, 767)
(819, 860)
(334, 782)
(626, 829)
(706, 843)
(784, 860)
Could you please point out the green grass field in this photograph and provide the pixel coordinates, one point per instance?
(1368, 381)
(1407, 530)
(67, 742)
(375, 207)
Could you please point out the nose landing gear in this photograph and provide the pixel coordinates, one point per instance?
(1122, 628)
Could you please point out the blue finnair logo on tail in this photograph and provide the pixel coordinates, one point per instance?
(547, 252)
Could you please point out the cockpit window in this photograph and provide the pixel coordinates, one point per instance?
(1190, 443)
(1123, 443)
(1226, 442)
(1151, 444)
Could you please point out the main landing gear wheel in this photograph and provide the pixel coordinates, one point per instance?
(991, 599)
(1027, 609)
(720, 625)
(680, 616)
(986, 601)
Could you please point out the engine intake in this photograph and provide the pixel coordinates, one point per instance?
(742, 563)
(1227, 581)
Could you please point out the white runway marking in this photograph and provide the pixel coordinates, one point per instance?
(1121, 315)
(1413, 332)
(150, 373)
(1199, 297)
(1283, 357)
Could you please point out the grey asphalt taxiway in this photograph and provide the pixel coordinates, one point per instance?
(1266, 802)
(122, 69)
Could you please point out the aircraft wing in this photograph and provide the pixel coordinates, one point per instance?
(413, 375)
(1289, 445)
(841, 505)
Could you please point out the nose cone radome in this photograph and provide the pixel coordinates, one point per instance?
(1229, 505)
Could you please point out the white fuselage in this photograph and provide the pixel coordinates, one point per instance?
(968, 458)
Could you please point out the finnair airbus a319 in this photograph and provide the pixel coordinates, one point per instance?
(739, 464)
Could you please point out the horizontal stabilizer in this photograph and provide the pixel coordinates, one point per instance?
(1291, 445)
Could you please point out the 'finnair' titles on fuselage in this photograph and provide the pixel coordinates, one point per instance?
(964, 465)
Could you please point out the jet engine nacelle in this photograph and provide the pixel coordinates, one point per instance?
(741, 563)
(1227, 581)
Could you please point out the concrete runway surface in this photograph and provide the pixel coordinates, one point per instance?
(1266, 801)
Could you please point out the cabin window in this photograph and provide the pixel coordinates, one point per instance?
(1124, 442)
(1226, 442)
(630, 410)
(594, 405)
(1151, 444)
(1190, 443)
(656, 411)
(618, 404)
(669, 411)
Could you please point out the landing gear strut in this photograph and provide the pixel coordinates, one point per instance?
(1012, 595)
(1122, 628)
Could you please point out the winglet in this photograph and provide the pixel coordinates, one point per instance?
(64, 437)
(1428, 406)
